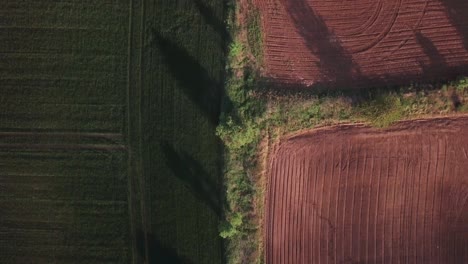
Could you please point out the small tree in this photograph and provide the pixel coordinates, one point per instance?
(230, 229)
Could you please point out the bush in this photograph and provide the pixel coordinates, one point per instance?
(235, 49)
(231, 229)
(382, 111)
(461, 84)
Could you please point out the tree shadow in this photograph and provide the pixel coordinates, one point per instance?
(359, 87)
(196, 178)
(341, 72)
(437, 65)
(152, 251)
(457, 11)
(366, 90)
(211, 18)
(455, 99)
(335, 63)
(437, 62)
(193, 78)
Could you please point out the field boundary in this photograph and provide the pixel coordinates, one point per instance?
(134, 86)
(393, 126)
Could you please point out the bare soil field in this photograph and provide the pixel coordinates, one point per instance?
(354, 194)
(366, 42)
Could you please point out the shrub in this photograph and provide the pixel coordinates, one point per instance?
(383, 110)
(231, 229)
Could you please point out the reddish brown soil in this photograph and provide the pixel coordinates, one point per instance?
(353, 194)
(309, 42)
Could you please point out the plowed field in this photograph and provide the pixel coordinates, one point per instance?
(364, 41)
(352, 194)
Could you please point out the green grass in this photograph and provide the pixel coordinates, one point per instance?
(376, 107)
(235, 49)
(382, 111)
(254, 33)
(180, 174)
(62, 198)
(461, 84)
(122, 163)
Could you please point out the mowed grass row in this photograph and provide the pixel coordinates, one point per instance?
(63, 163)
(75, 97)
(63, 65)
(63, 207)
(179, 46)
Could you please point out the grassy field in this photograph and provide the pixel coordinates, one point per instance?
(108, 152)
(63, 180)
(180, 83)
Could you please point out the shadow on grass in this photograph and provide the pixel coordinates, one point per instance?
(210, 17)
(200, 84)
(152, 251)
(195, 177)
(194, 80)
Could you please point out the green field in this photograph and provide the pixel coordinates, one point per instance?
(108, 111)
